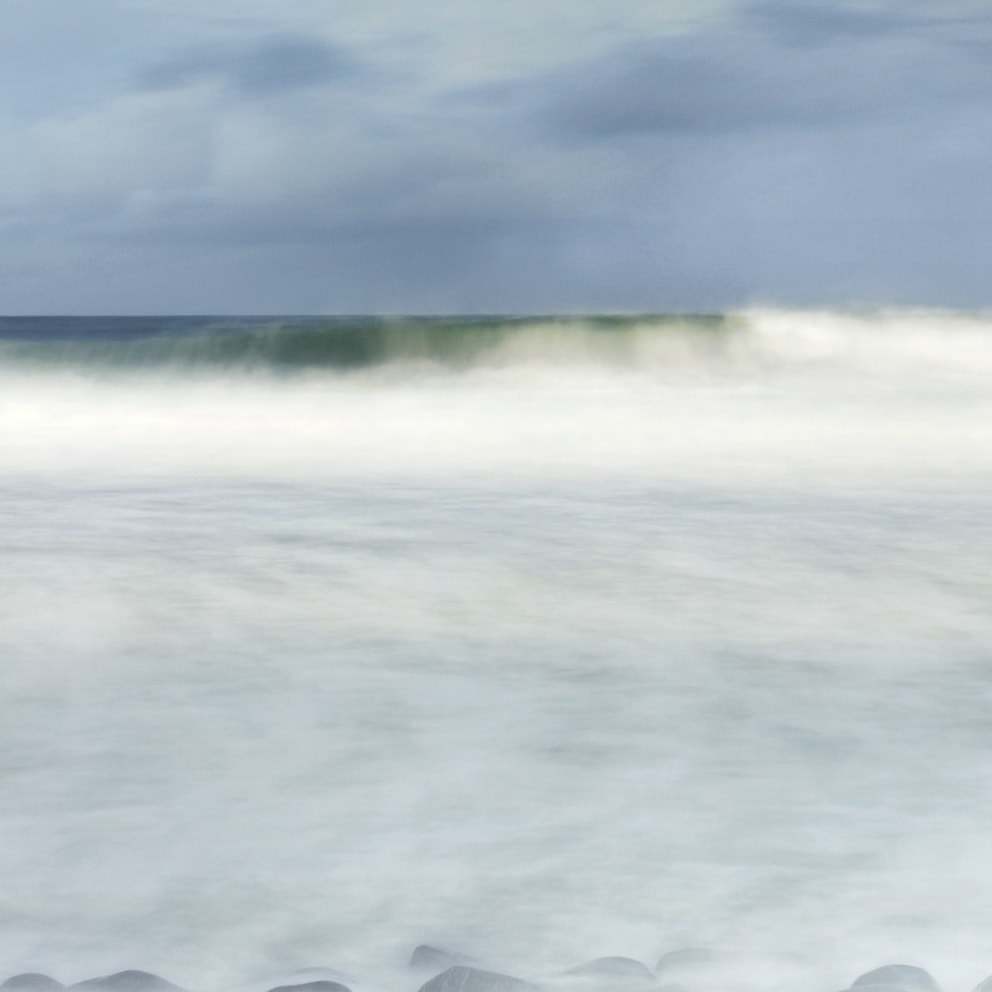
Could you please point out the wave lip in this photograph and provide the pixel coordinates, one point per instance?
(344, 343)
(879, 344)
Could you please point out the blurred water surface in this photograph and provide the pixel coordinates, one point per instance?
(559, 650)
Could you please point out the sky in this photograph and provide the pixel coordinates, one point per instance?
(493, 156)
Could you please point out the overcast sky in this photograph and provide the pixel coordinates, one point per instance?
(290, 156)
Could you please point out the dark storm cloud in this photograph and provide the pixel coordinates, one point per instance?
(271, 64)
(779, 66)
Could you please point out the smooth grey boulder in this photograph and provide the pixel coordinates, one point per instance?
(314, 973)
(459, 978)
(906, 977)
(870, 987)
(32, 981)
(684, 959)
(126, 981)
(321, 985)
(625, 969)
(985, 986)
(426, 957)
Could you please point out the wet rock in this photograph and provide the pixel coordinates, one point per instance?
(462, 979)
(322, 985)
(684, 959)
(627, 970)
(32, 981)
(903, 977)
(695, 969)
(877, 988)
(314, 974)
(126, 981)
(436, 959)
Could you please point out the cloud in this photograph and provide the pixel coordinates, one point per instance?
(773, 65)
(784, 153)
(271, 64)
(139, 141)
(814, 24)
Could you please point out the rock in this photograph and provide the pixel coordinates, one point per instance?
(126, 981)
(314, 974)
(877, 988)
(684, 959)
(461, 979)
(322, 985)
(985, 986)
(905, 977)
(436, 959)
(31, 981)
(626, 969)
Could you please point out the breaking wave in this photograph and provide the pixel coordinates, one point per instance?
(343, 343)
(765, 395)
(747, 341)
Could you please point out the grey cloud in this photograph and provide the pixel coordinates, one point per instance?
(222, 258)
(802, 152)
(666, 87)
(272, 64)
(815, 24)
(774, 66)
(414, 194)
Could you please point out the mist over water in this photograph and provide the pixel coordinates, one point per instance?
(576, 641)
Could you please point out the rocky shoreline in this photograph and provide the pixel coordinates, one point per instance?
(684, 970)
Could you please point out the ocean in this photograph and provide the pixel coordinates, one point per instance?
(538, 639)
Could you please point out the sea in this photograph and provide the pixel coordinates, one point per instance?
(534, 638)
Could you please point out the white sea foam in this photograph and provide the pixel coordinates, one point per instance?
(787, 398)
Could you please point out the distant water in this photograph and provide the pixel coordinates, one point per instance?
(540, 639)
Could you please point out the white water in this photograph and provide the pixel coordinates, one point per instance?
(541, 661)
